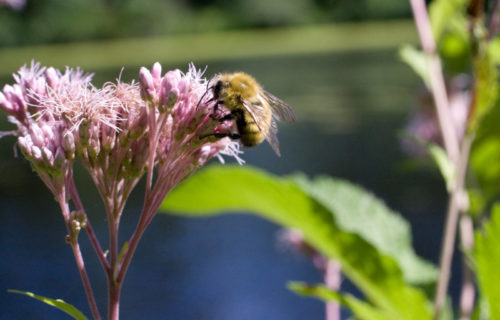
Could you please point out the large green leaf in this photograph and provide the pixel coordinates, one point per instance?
(357, 211)
(221, 189)
(487, 257)
(58, 303)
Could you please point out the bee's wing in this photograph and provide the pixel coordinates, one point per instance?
(257, 112)
(281, 111)
(260, 114)
(272, 137)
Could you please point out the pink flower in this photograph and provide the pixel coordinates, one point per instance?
(162, 127)
(119, 130)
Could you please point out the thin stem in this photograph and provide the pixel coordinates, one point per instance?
(468, 288)
(457, 154)
(85, 280)
(73, 241)
(133, 242)
(455, 205)
(333, 280)
(113, 299)
(90, 231)
(450, 139)
(113, 242)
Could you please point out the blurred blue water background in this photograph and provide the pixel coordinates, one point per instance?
(351, 106)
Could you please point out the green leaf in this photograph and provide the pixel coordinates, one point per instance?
(359, 212)
(494, 51)
(486, 89)
(446, 15)
(418, 61)
(445, 165)
(487, 257)
(485, 153)
(231, 188)
(122, 251)
(361, 309)
(440, 158)
(483, 122)
(58, 303)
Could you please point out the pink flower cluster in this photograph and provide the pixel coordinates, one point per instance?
(162, 127)
(119, 130)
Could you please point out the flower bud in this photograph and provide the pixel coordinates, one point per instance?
(93, 148)
(52, 78)
(48, 156)
(36, 154)
(84, 133)
(59, 160)
(48, 132)
(68, 144)
(37, 135)
(139, 125)
(146, 84)
(75, 225)
(108, 136)
(14, 95)
(156, 72)
(168, 99)
(139, 157)
(25, 145)
(38, 86)
(5, 104)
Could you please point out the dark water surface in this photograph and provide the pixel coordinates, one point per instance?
(350, 108)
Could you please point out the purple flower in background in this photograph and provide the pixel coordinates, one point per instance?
(424, 123)
(14, 4)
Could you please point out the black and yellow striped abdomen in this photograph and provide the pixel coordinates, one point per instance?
(250, 134)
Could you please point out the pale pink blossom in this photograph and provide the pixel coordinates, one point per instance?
(118, 130)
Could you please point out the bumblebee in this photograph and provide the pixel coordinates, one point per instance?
(254, 110)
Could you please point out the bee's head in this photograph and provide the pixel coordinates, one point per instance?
(218, 88)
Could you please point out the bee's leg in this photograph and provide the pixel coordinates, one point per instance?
(216, 106)
(229, 116)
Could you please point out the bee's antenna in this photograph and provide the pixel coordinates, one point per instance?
(206, 91)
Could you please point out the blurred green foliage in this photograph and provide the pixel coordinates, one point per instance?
(338, 219)
(487, 257)
(53, 21)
